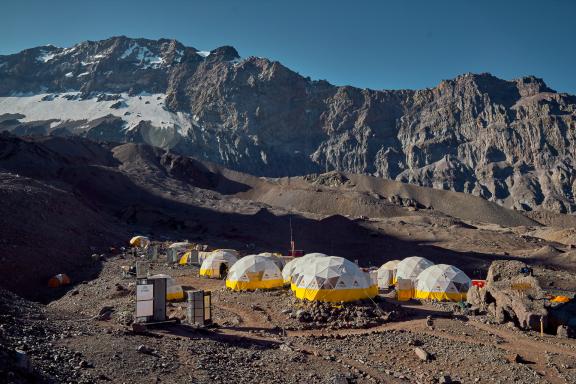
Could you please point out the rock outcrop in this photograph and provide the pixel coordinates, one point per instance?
(511, 142)
(510, 295)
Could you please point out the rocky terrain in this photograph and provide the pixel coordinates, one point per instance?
(71, 204)
(509, 141)
(85, 337)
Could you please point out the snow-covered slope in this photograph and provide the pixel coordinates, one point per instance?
(70, 106)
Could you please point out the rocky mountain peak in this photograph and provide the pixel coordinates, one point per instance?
(508, 141)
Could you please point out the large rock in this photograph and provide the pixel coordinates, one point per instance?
(510, 295)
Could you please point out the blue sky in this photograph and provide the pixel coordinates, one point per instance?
(369, 44)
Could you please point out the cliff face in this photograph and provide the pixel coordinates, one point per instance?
(512, 142)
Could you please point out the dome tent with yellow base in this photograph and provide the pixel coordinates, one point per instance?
(333, 279)
(140, 241)
(299, 265)
(406, 272)
(386, 273)
(217, 264)
(442, 282)
(288, 269)
(173, 291)
(410, 267)
(254, 272)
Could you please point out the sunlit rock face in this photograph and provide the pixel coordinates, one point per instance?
(508, 141)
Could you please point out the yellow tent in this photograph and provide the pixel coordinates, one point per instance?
(254, 272)
(140, 241)
(333, 279)
(217, 264)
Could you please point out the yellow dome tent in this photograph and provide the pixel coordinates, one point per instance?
(442, 282)
(333, 279)
(254, 272)
(217, 265)
(140, 241)
(185, 259)
(386, 273)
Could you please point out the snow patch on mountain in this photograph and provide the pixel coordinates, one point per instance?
(45, 56)
(204, 53)
(70, 107)
(143, 55)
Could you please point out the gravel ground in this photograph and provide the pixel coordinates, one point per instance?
(259, 337)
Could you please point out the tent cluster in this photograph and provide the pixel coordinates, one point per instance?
(419, 278)
(313, 277)
(318, 277)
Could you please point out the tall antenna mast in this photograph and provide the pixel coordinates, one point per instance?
(292, 244)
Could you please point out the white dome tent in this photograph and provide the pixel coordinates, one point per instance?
(406, 273)
(410, 267)
(333, 279)
(442, 282)
(301, 263)
(277, 257)
(288, 269)
(217, 264)
(386, 274)
(254, 272)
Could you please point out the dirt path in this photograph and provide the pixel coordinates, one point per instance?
(529, 350)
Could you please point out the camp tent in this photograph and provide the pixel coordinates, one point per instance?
(181, 246)
(140, 241)
(333, 279)
(232, 251)
(254, 272)
(59, 280)
(410, 267)
(217, 265)
(173, 291)
(288, 269)
(188, 258)
(386, 273)
(301, 263)
(404, 289)
(277, 257)
(442, 282)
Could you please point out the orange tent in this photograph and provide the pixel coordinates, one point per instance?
(59, 280)
(560, 299)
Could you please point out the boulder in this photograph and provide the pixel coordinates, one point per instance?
(511, 295)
